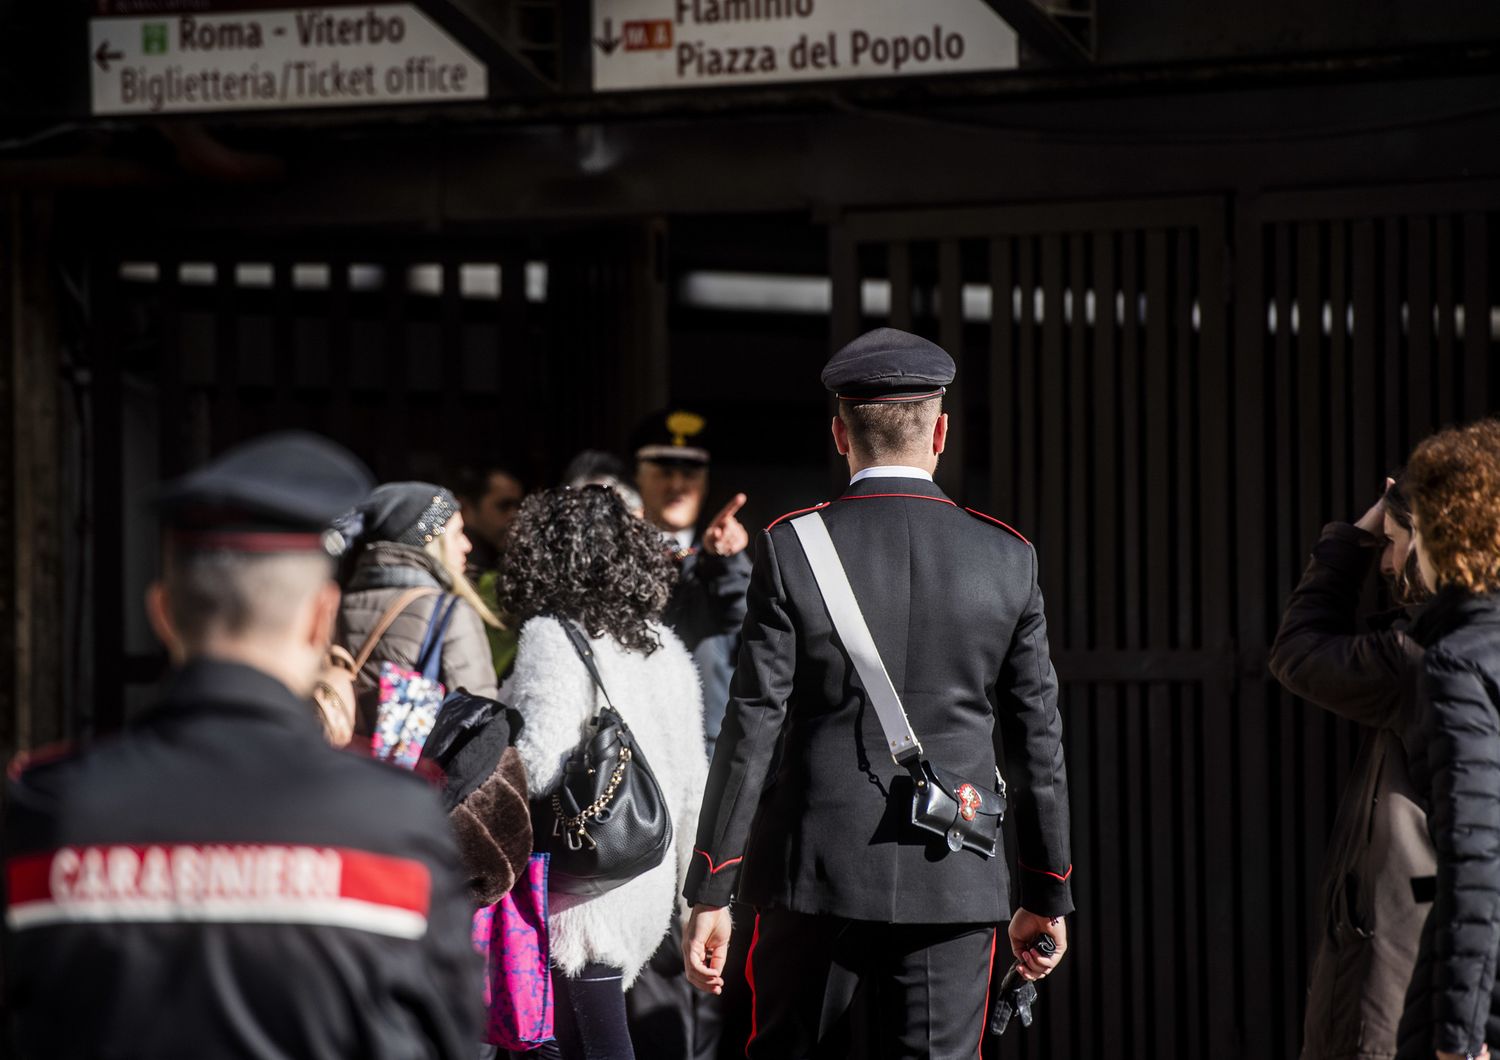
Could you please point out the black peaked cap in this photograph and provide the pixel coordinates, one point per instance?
(289, 482)
(888, 364)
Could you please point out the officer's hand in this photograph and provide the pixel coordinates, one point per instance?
(1024, 927)
(705, 945)
(725, 536)
(1483, 1054)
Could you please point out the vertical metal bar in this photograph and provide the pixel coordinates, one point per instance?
(340, 351)
(1343, 497)
(1476, 376)
(1419, 409)
(1078, 434)
(951, 337)
(843, 322)
(1163, 880)
(1108, 966)
(1188, 443)
(1368, 461)
(1398, 439)
(1448, 399)
(284, 344)
(518, 388)
(390, 449)
(451, 385)
(1311, 822)
(900, 278)
(1052, 537)
(1250, 963)
(1132, 407)
(225, 423)
(1026, 392)
(107, 502)
(1005, 449)
(1217, 707)
(1284, 733)
(172, 448)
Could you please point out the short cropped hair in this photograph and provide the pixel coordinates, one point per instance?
(1453, 480)
(886, 431)
(217, 591)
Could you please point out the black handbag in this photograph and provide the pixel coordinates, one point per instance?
(966, 815)
(607, 822)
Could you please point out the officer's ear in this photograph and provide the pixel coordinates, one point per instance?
(159, 614)
(323, 611)
(840, 436)
(940, 434)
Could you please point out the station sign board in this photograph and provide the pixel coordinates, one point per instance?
(154, 57)
(641, 44)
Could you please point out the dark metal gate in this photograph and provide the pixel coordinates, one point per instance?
(1174, 481)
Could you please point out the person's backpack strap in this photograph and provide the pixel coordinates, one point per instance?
(430, 656)
(849, 623)
(401, 603)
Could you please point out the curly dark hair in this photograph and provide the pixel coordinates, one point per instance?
(1453, 480)
(579, 554)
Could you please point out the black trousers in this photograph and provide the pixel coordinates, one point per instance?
(588, 1017)
(828, 987)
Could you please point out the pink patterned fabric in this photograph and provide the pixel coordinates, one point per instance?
(512, 936)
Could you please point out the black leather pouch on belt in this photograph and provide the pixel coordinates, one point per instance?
(966, 815)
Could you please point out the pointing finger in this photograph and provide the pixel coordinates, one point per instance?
(727, 512)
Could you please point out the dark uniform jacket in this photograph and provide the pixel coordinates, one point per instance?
(216, 881)
(706, 611)
(1454, 1001)
(952, 602)
(1371, 916)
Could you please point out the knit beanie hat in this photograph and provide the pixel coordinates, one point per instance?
(409, 513)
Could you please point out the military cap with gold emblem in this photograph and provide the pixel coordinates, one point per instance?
(672, 436)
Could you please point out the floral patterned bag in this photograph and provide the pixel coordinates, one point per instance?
(409, 699)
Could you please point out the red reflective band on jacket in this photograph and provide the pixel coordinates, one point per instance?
(1043, 872)
(714, 870)
(220, 883)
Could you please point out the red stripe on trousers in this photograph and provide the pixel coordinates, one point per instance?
(750, 981)
(984, 1013)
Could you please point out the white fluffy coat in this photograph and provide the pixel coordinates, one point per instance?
(660, 698)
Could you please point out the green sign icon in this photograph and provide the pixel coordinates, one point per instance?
(154, 38)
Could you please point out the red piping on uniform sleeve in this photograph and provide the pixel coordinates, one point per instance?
(998, 523)
(1043, 872)
(714, 870)
(799, 511)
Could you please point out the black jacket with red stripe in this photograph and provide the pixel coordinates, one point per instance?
(217, 881)
(952, 602)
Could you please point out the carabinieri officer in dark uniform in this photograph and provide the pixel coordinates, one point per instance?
(216, 880)
(852, 899)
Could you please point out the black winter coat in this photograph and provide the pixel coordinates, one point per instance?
(1453, 1004)
(1370, 915)
(216, 881)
